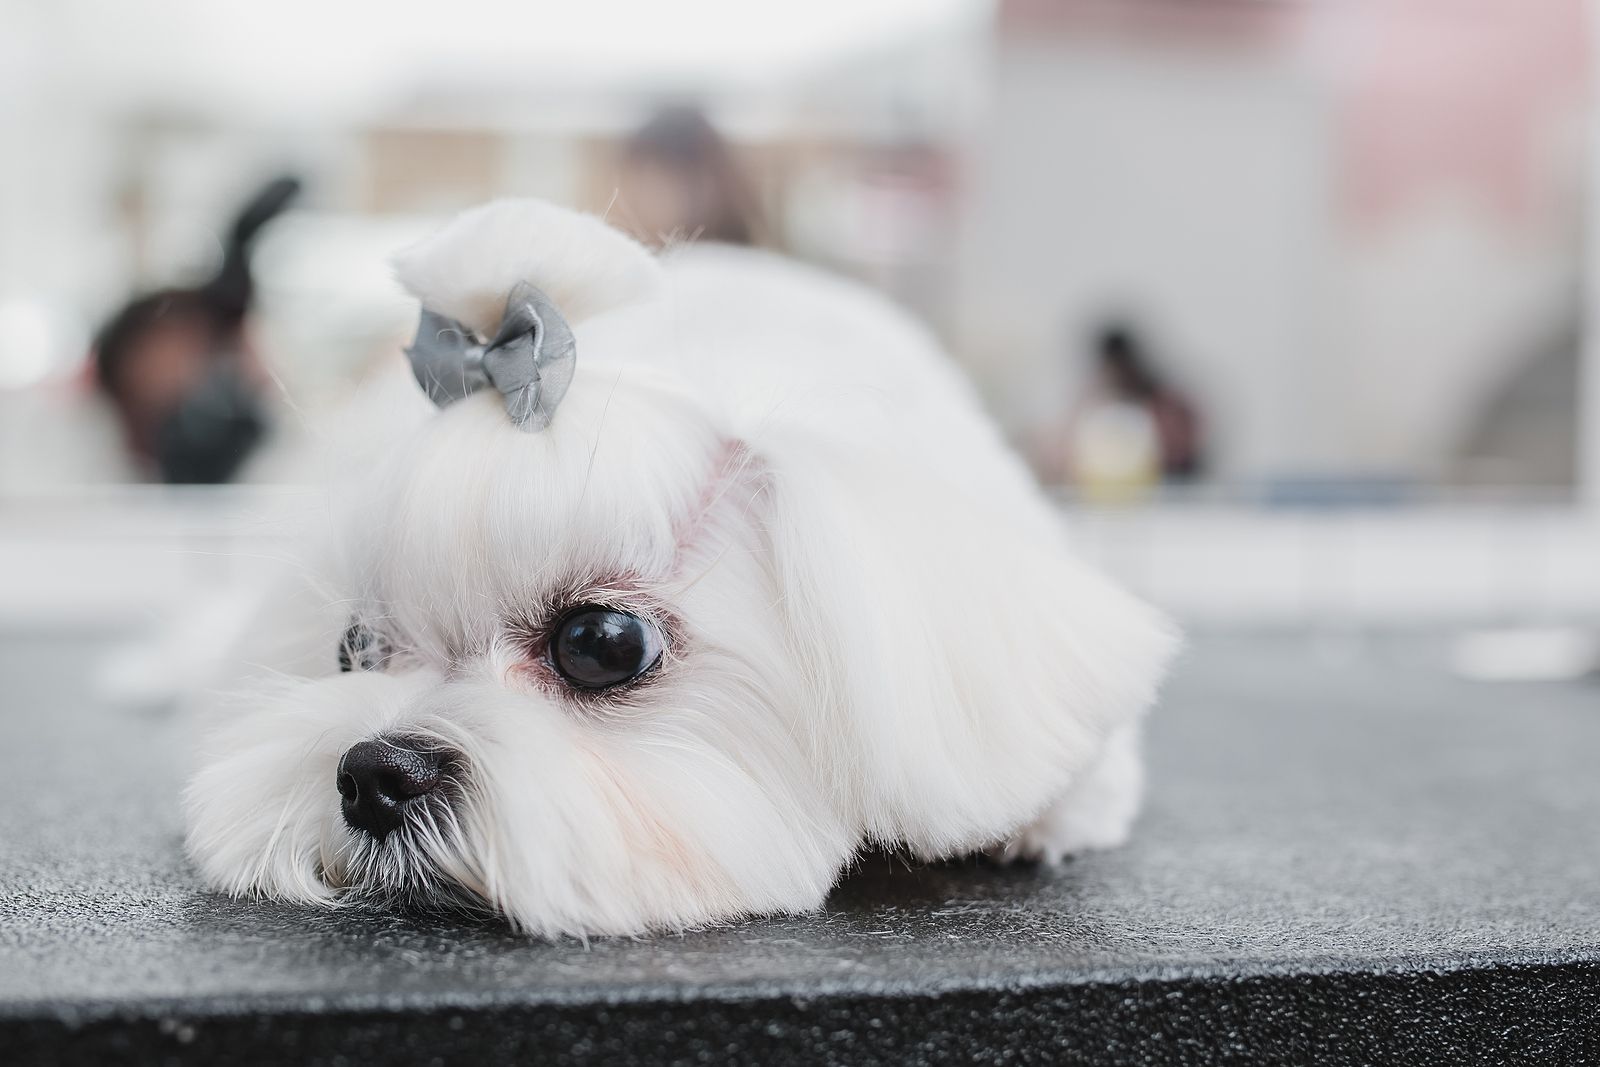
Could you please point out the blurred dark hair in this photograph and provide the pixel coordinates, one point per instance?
(233, 289)
(680, 139)
(1122, 357)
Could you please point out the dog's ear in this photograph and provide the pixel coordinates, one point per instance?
(965, 666)
(466, 270)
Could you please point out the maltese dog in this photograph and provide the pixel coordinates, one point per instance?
(709, 573)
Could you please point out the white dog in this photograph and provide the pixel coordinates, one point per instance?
(767, 587)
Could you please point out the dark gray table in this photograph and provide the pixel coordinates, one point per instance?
(1348, 857)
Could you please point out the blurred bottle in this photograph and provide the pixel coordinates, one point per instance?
(1115, 452)
(1133, 431)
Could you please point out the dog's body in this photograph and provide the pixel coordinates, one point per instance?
(866, 627)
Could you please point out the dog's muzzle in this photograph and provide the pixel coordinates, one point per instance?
(379, 779)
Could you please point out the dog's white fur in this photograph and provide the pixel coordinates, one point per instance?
(876, 633)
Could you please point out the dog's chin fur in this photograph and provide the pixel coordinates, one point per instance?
(874, 633)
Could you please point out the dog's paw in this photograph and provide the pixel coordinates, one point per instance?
(1097, 812)
(1060, 833)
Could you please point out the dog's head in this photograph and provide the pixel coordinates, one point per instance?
(658, 663)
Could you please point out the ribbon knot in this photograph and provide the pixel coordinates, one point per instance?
(529, 361)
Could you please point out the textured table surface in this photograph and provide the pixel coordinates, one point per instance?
(1347, 856)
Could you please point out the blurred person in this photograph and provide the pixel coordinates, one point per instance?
(1131, 431)
(679, 181)
(176, 365)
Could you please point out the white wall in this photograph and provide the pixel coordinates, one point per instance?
(1198, 188)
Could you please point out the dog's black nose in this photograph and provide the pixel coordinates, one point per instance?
(378, 778)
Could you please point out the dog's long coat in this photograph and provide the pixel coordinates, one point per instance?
(871, 629)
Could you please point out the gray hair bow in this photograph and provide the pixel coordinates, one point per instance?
(530, 360)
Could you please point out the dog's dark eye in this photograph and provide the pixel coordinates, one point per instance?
(362, 649)
(594, 647)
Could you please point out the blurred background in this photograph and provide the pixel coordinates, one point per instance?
(1289, 300)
